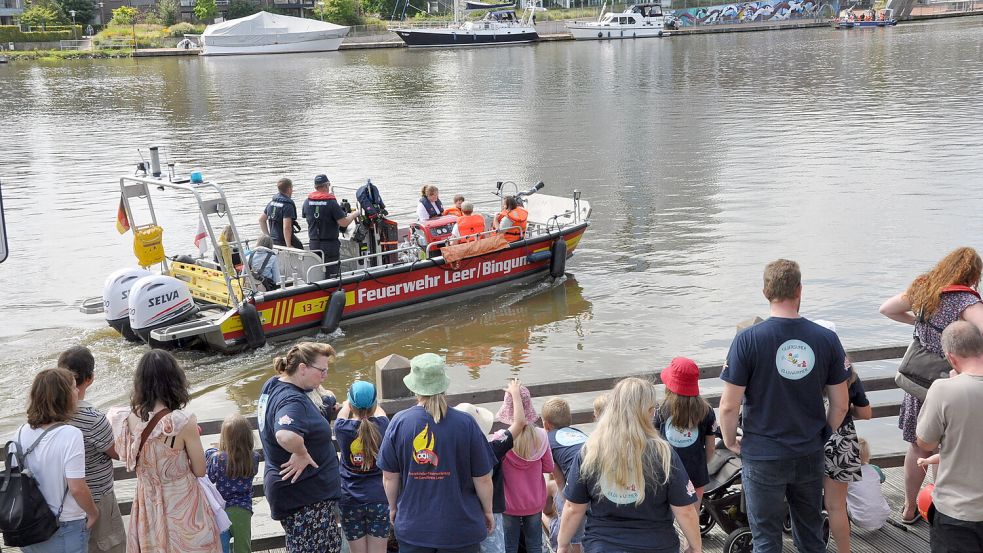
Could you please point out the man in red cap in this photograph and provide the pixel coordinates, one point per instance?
(778, 369)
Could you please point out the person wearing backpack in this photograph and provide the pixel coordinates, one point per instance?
(54, 453)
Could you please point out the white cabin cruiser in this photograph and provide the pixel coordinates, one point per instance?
(498, 26)
(638, 21)
(267, 33)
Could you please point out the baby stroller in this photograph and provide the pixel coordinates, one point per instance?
(723, 503)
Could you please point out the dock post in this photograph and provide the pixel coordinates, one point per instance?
(389, 373)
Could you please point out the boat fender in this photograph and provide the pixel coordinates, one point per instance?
(251, 326)
(600, 34)
(558, 258)
(332, 314)
(537, 257)
(660, 34)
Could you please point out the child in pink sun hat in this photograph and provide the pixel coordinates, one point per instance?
(523, 469)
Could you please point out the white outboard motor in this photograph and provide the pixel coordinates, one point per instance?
(115, 294)
(157, 301)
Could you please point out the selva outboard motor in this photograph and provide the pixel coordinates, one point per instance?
(157, 301)
(115, 300)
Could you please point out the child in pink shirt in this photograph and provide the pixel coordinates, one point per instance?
(522, 470)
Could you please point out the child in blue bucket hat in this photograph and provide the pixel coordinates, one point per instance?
(364, 509)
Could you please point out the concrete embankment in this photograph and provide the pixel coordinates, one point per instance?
(735, 28)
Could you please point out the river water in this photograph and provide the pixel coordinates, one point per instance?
(856, 153)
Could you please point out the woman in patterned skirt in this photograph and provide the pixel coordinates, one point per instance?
(842, 463)
(932, 302)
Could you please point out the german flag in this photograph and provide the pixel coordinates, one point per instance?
(122, 223)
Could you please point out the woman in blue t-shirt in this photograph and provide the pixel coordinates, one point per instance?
(301, 474)
(364, 510)
(437, 469)
(632, 480)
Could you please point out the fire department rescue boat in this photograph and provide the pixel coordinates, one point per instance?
(386, 269)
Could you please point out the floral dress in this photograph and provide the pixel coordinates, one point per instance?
(170, 512)
(950, 309)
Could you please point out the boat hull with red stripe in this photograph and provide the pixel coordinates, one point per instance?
(391, 290)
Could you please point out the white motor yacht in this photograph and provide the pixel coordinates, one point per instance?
(638, 21)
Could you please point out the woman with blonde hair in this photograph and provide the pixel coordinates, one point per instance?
(632, 480)
(429, 206)
(933, 301)
(301, 477)
(436, 469)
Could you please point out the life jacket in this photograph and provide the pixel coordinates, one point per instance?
(518, 216)
(317, 215)
(434, 209)
(456, 211)
(470, 224)
(960, 288)
(369, 198)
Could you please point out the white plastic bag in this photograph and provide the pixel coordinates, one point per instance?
(216, 502)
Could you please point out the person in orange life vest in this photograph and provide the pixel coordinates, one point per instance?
(468, 223)
(429, 206)
(512, 220)
(457, 211)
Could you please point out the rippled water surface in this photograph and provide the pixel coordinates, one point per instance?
(856, 153)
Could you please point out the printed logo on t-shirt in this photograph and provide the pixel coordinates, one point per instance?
(357, 456)
(285, 420)
(679, 437)
(264, 399)
(795, 359)
(424, 446)
(619, 495)
(568, 436)
(690, 489)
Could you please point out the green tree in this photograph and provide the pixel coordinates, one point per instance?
(85, 10)
(169, 12)
(384, 8)
(124, 15)
(340, 12)
(42, 14)
(205, 10)
(241, 8)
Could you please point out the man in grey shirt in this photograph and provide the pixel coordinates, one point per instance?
(950, 418)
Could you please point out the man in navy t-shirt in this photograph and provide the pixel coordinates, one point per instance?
(279, 216)
(779, 369)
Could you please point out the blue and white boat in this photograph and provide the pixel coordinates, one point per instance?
(500, 25)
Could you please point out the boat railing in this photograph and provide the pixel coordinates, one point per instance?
(359, 259)
(423, 25)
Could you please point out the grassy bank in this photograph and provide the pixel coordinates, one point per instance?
(57, 55)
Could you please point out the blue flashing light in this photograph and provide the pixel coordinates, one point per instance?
(196, 178)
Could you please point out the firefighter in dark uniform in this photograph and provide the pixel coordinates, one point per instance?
(324, 217)
(279, 219)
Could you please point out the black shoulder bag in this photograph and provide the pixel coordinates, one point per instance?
(25, 518)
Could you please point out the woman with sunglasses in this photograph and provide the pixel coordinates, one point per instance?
(301, 476)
